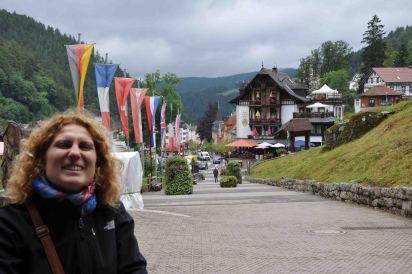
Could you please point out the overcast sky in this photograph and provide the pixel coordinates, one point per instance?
(212, 38)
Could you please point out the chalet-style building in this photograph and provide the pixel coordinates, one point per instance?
(271, 99)
(377, 96)
(398, 79)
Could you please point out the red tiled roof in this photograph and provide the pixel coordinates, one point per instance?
(381, 91)
(390, 75)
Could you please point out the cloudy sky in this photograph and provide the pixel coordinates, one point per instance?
(212, 38)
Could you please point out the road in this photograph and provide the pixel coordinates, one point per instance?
(265, 229)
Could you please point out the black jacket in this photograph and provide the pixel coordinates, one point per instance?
(102, 242)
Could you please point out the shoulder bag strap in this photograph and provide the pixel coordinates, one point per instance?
(43, 233)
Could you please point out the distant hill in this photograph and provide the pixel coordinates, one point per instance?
(195, 92)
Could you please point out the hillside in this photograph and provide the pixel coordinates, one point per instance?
(382, 157)
(196, 92)
(35, 79)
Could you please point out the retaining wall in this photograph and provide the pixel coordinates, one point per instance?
(396, 200)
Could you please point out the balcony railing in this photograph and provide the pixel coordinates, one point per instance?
(264, 121)
(312, 114)
(269, 102)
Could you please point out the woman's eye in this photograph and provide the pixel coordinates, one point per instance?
(64, 145)
(86, 146)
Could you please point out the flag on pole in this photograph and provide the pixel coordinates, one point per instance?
(151, 106)
(177, 131)
(122, 87)
(104, 77)
(163, 126)
(79, 57)
(171, 137)
(136, 98)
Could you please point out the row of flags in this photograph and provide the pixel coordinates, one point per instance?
(79, 57)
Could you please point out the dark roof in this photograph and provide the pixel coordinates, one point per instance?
(280, 78)
(298, 124)
(381, 91)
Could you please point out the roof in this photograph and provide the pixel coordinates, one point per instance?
(242, 143)
(218, 113)
(396, 75)
(280, 78)
(325, 89)
(298, 124)
(381, 91)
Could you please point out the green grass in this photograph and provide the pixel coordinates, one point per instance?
(382, 157)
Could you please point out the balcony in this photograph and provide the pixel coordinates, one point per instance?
(312, 114)
(271, 121)
(328, 98)
(267, 102)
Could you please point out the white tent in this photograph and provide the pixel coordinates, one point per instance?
(264, 145)
(318, 105)
(131, 179)
(278, 145)
(325, 89)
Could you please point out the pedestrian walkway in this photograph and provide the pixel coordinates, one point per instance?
(264, 229)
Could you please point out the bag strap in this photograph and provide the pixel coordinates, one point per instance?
(43, 233)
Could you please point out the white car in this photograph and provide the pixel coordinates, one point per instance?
(204, 155)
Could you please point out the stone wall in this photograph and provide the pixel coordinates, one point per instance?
(396, 200)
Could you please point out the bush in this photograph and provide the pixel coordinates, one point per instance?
(233, 169)
(178, 177)
(228, 181)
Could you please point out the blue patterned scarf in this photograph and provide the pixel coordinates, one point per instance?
(85, 199)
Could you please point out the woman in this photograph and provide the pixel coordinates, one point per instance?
(66, 171)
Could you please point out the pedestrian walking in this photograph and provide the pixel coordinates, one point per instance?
(65, 215)
(215, 173)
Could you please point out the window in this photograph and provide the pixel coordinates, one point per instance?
(371, 102)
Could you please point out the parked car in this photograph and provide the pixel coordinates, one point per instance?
(217, 161)
(202, 165)
(204, 155)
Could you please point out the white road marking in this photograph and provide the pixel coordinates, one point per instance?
(161, 212)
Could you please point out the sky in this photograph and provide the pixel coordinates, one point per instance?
(212, 38)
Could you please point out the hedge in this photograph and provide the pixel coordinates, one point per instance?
(178, 177)
(228, 181)
(233, 169)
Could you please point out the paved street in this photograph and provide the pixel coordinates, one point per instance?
(265, 229)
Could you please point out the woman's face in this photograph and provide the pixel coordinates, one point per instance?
(71, 158)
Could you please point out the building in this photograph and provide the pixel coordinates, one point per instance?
(398, 79)
(271, 99)
(217, 126)
(377, 96)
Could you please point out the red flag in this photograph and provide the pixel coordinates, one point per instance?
(136, 98)
(122, 87)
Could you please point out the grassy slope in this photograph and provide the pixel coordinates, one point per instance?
(382, 157)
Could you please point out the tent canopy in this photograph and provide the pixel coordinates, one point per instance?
(264, 145)
(242, 143)
(325, 89)
(318, 105)
(278, 145)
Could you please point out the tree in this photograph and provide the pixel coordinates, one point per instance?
(330, 56)
(401, 59)
(373, 55)
(205, 123)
